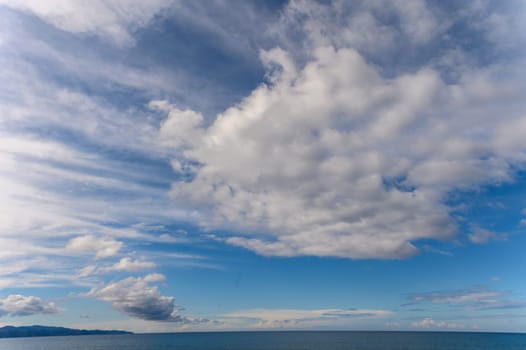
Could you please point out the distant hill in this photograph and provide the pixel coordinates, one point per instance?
(45, 331)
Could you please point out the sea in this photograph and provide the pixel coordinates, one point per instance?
(276, 341)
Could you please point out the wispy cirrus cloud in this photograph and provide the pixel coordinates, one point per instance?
(62, 145)
(114, 21)
(475, 298)
(294, 318)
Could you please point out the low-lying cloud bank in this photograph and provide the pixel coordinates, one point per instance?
(294, 318)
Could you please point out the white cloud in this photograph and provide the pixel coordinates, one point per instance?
(334, 158)
(112, 20)
(46, 150)
(417, 21)
(103, 247)
(30, 267)
(11, 248)
(168, 238)
(481, 236)
(50, 189)
(88, 270)
(337, 160)
(123, 265)
(20, 305)
(128, 264)
(42, 277)
(154, 277)
(181, 127)
(373, 27)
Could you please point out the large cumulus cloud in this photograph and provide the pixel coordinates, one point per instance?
(335, 157)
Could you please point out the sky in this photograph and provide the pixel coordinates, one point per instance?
(219, 165)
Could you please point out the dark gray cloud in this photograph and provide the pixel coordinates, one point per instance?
(135, 297)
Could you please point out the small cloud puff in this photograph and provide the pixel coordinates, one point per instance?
(124, 265)
(103, 247)
(127, 264)
(481, 236)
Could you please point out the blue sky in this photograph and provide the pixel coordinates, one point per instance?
(210, 165)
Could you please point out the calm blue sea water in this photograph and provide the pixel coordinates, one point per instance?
(276, 341)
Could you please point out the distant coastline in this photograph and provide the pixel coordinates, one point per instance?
(48, 331)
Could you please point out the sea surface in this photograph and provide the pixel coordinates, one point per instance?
(276, 341)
